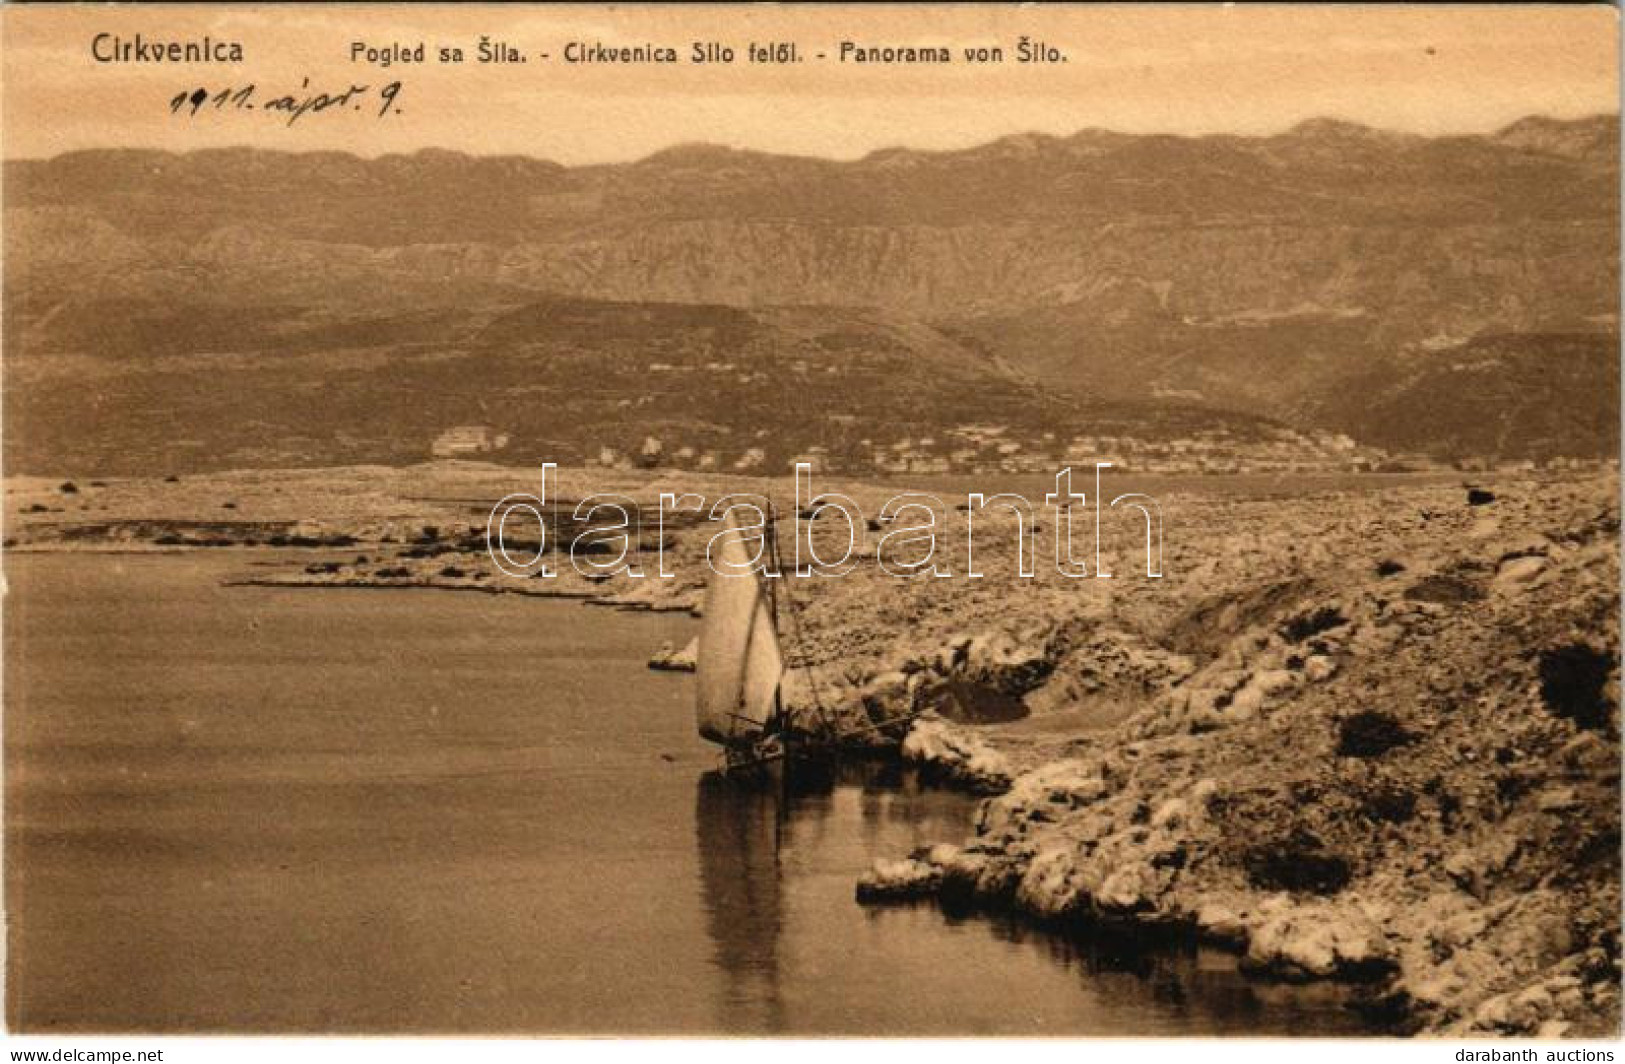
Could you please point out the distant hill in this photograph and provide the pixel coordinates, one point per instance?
(200, 387)
(1254, 277)
(1531, 396)
(1329, 214)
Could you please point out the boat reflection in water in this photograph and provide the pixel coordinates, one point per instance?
(739, 832)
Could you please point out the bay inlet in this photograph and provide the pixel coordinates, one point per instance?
(302, 810)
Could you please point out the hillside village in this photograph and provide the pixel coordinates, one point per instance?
(997, 448)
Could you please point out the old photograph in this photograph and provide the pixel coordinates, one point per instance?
(830, 520)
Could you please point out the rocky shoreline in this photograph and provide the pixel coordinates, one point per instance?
(1397, 766)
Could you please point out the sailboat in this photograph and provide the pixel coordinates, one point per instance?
(739, 670)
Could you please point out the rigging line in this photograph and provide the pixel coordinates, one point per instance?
(812, 679)
(771, 535)
(794, 613)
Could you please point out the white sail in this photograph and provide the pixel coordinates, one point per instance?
(739, 666)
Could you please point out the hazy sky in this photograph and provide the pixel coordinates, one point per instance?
(1136, 68)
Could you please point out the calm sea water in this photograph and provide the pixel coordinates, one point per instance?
(271, 810)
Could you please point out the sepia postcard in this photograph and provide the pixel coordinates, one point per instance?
(829, 520)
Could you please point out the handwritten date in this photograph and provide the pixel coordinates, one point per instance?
(290, 106)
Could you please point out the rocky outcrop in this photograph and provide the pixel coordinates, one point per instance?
(956, 756)
(1399, 776)
(670, 659)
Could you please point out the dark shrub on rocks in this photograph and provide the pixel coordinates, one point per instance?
(1511, 786)
(69, 488)
(1479, 497)
(583, 546)
(1305, 625)
(1444, 589)
(1371, 733)
(1389, 804)
(1301, 863)
(1389, 567)
(1573, 682)
(972, 703)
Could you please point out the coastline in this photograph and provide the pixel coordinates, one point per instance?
(1356, 736)
(1395, 773)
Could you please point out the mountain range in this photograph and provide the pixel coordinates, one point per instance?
(241, 306)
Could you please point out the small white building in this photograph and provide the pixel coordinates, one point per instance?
(468, 439)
